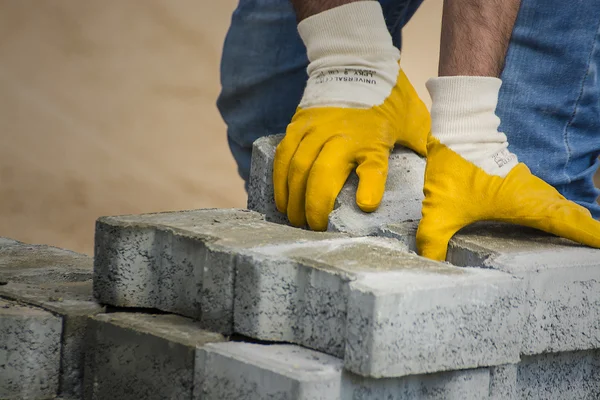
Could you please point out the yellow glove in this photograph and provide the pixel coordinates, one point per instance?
(357, 105)
(457, 193)
(491, 185)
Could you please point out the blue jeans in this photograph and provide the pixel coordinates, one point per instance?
(549, 102)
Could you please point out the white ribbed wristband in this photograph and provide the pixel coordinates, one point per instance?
(463, 118)
(353, 62)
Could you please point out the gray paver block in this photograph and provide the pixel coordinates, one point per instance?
(562, 282)
(419, 320)
(58, 281)
(255, 372)
(260, 184)
(453, 385)
(387, 313)
(404, 232)
(401, 202)
(182, 262)
(29, 352)
(72, 302)
(27, 263)
(569, 375)
(250, 371)
(503, 382)
(142, 356)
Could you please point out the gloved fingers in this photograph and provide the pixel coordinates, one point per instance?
(281, 164)
(327, 177)
(434, 233)
(572, 222)
(300, 167)
(547, 210)
(372, 174)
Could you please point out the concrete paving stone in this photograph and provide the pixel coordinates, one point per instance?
(562, 282)
(142, 356)
(503, 382)
(405, 232)
(29, 352)
(72, 302)
(387, 313)
(427, 318)
(453, 385)
(27, 263)
(401, 202)
(182, 262)
(298, 293)
(256, 372)
(260, 185)
(560, 376)
(58, 281)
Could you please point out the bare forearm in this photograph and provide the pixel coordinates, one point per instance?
(307, 8)
(475, 36)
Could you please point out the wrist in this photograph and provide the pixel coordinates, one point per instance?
(353, 61)
(356, 29)
(463, 118)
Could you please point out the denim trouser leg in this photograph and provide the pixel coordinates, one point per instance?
(550, 98)
(263, 70)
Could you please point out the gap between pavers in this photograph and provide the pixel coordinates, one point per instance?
(401, 201)
(59, 282)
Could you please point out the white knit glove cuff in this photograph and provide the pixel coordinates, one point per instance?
(463, 118)
(353, 62)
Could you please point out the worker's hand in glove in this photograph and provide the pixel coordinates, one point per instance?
(356, 106)
(471, 176)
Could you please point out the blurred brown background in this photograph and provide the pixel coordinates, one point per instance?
(108, 107)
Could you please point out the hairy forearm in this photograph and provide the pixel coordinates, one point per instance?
(475, 36)
(307, 8)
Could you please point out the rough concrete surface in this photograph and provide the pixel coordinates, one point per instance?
(29, 352)
(142, 356)
(401, 202)
(256, 372)
(453, 385)
(182, 262)
(503, 382)
(73, 303)
(562, 282)
(421, 320)
(260, 185)
(28, 263)
(405, 232)
(560, 376)
(386, 312)
(58, 281)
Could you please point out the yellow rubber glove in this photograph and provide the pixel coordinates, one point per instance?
(458, 193)
(344, 122)
(322, 146)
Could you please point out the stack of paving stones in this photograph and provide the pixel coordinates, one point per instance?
(45, 301)
(235, 304)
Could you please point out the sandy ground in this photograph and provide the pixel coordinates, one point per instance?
(108, 107)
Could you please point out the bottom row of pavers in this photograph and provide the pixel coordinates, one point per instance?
(142, 356)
